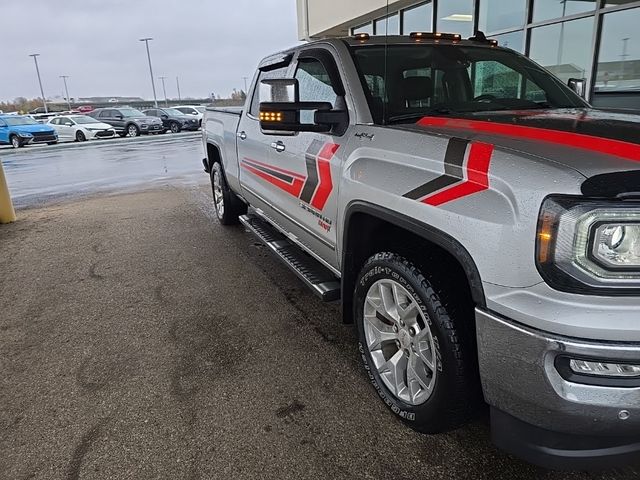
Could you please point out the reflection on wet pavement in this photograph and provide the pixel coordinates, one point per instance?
(37, 174)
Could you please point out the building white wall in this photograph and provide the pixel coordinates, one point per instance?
(332, 18)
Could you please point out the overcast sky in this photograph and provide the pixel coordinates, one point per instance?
(209, 44)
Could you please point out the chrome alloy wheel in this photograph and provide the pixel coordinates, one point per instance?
(218, 197)
(400, 342)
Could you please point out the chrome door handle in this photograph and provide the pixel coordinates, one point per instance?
(278, 146)
(242, 135)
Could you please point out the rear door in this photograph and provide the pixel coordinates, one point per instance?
(4, 132)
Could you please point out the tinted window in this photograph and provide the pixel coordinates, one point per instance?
(422, 79)
(55, 121)
(561, 47)
(619, 57)
(264, 75)
(389, 25)
(366, 28)
(418, 19)
(512, 40)
(546, 9)
(500, 15)
(456, 16)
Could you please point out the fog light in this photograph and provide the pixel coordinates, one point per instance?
(601, 369)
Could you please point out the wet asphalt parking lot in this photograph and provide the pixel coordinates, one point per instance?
(139, 339)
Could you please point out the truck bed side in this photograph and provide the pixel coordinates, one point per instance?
(220, 126)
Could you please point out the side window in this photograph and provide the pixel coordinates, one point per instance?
(281, 72)
(499, 81)
(315, 84)
(55, 121)
(151, 113)
(104, 114)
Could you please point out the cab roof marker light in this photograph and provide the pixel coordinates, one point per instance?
(456, 37)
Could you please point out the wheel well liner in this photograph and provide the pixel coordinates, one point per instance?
(423, 231)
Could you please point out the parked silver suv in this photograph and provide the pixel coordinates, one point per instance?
(128, 121)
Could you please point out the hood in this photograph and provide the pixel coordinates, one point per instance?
(592, 142)
(33, 128)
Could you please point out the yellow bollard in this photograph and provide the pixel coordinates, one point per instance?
(7, 213)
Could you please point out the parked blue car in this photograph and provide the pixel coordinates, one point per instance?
(20, 130)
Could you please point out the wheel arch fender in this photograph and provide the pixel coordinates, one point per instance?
(428, 233)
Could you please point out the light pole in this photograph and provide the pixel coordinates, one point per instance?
(164, 90)
(624, 55)
(153, 85)
(44, 101)
(245, 84)
(64, 79)
(178, 85)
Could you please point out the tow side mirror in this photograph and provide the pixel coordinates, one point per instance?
(578, 85)
(282, 111)
(164, 117)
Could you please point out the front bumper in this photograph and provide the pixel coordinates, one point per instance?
(152, 128)
(191, 126)
(106, 133)
(539, 415)
(41, 138)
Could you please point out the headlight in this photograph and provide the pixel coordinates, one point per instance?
(588, 245)
(25, 134)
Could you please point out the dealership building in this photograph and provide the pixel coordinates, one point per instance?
(598, 40)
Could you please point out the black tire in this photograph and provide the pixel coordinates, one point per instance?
(456, 395)
(232, 206)
(15, 141)
(132, 130)
(80, 137)
(123, 134)
(52, 143)
(175, 127)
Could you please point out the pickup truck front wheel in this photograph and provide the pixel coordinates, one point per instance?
(228, 207)
(413, 351)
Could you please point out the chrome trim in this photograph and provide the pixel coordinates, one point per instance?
(519, 377)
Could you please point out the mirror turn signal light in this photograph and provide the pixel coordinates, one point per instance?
(270, 116)
(362, 36)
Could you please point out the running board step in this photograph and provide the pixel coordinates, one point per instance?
(317, 277)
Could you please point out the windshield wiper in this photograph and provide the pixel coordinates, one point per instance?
(411, 116)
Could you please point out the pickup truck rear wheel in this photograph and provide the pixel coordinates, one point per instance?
(228, 207)
(412, 348)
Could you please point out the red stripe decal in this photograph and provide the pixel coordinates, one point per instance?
(293, 188)
(629, 151)
(477, 177)
(276, 169)
(325, 187)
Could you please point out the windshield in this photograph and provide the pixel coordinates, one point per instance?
(172, 111)
(16, 121)
(445, 79)
(83, 119)
(131, 112)
(200, 109)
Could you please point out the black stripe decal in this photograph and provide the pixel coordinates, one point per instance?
(312, 171)
(453, 171)
(282, 176)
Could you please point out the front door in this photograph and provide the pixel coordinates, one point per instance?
(312, 162)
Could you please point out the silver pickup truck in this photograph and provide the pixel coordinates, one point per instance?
(477, 220)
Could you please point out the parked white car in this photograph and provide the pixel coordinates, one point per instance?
(81, 128)
(195, 110)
